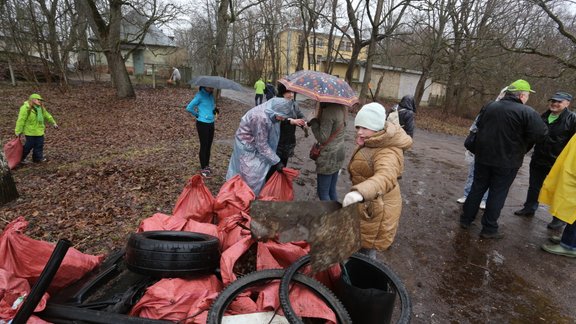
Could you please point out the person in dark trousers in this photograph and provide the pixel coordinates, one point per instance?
(287, 140)
(269, 91)
(203, 108)
(259, 87)
(32, 120)
(406, 110)
(507, 130)
(561, 124)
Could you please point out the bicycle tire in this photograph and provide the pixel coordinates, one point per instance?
(406, 304)
(227, 295)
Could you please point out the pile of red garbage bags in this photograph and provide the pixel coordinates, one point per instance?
(225, 216)
(21, 263)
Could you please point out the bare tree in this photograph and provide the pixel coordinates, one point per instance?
(106, 20)
(560, 23)
(226, 15)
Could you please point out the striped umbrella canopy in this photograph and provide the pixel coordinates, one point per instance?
(321, 87)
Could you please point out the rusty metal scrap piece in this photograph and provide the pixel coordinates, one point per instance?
(332, 232)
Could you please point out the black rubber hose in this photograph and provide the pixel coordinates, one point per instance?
(43, 282)
(227, 295)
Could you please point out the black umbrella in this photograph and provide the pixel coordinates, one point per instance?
(216, 82)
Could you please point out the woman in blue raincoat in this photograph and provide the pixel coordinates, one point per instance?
(256, 140)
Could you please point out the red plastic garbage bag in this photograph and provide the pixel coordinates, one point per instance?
(13, 151)
(230, 256)
(13, 290)
(279, 186)
(275, 255)
(163, 222)
(261, 298)
(26, 257)
(232, 229)
(179, 300)
(234, 197)
(195, 202)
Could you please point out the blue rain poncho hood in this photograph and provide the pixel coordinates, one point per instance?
(256, 141)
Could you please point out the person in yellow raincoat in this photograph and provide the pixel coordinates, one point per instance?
(559, 192)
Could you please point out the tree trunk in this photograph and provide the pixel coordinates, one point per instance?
(119, 75)
(222, 26)
(8, 190)
(419, 92)
(371, 52)
(109, 39)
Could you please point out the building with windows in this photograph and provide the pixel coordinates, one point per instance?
(317, 55)
(395, 82)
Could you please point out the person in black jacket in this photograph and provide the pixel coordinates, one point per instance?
(270, 90)
(406, 110)
(287, 140)
(507, 130)
(561, 124)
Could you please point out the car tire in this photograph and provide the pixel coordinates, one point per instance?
(172, 254)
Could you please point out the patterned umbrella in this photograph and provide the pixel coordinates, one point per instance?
(321, 87)
(216, 82)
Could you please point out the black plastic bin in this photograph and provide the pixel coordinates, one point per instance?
(368, 290)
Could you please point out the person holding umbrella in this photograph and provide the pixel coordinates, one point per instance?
(333, 95)
(256, 141)
(203, 108)
(328, 128)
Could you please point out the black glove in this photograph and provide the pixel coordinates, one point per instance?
(279, 166)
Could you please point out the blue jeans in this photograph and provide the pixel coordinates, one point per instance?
(498, 180)
(326, 186)
(36, 145)
(569, 236)
(469, 181)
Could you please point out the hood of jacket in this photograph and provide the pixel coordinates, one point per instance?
(391, 136)
(407, 102)
(279, 107)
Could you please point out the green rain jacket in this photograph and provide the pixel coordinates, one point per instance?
(28, 123)
(259, 86)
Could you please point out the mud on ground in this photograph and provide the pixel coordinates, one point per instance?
(114, 162)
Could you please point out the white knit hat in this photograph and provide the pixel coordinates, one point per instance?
(371, 116)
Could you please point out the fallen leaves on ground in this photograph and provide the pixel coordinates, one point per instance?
(114, 162)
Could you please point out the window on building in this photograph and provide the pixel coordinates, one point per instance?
(345, 46)
(318, 42)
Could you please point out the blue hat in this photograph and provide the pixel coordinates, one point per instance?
(560, 96)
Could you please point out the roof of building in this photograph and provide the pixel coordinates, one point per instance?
(131, 30)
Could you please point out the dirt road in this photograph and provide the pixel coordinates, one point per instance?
(452, 274)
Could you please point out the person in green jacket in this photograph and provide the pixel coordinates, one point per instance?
(259, 86)
(31, 122)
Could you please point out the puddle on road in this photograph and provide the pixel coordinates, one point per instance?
(478, 285)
